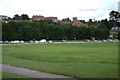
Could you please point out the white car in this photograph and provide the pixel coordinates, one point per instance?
(16, 42)
(12, 42)
(42, 41)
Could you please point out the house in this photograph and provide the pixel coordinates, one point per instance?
(114, 32)
(38, 17)
(3, 17)
(64, 22)
(78, 23)
(54, 19)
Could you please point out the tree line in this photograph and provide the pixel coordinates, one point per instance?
(36, 30)
(49, 30)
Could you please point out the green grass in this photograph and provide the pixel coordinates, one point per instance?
(80, 60)
(12, 75)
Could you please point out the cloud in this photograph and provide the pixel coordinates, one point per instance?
(83, 9)
(88, 9)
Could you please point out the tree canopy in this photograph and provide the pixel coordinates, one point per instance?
(46, 29)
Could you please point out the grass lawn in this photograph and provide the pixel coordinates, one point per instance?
(11, 75)
(80, 60)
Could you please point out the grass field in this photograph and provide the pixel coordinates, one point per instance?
(79, 60)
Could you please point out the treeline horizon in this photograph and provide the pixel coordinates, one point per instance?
(47, 29)
(42, 29)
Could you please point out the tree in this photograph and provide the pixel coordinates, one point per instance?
(66, 19)
(90, 22)
(101, 33)
(101, 25)
(25, 17)
(16, 17)
(114, 15)
(106, 23)
(27, 32)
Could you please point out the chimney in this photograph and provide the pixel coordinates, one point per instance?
(74, 19)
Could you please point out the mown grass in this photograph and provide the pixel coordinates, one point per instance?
(12, 75)
(80, 60)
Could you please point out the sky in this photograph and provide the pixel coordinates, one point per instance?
(82, 9)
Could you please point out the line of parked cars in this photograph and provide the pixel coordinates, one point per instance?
(108, 40)
(50, 41)
(21, 41)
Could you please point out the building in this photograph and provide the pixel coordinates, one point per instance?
(114, 32)
(54, 19)
(78, 23)
(37, 18)
(74, 19)
(64, 22)
(3, 17)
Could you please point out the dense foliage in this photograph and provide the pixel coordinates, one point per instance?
(47, 29)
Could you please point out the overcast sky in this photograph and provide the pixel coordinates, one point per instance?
(83, 9)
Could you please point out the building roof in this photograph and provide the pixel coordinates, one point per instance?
(38, 17)
(115, 29)
(51, 17)
(78, 23)
(64, 22)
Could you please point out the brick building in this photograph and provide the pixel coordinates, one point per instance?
(39, 17)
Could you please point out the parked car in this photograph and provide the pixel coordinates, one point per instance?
(95, 40)
(6, 42)
(42, 41)
(31, 41)
(109, 40)
(50, 41)
(64, 41)
(87, 40)
(16, 41)
(104, 41)
(116, 40)
(36, 41)
(12, 42)
(22, 41)
(1, 42)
